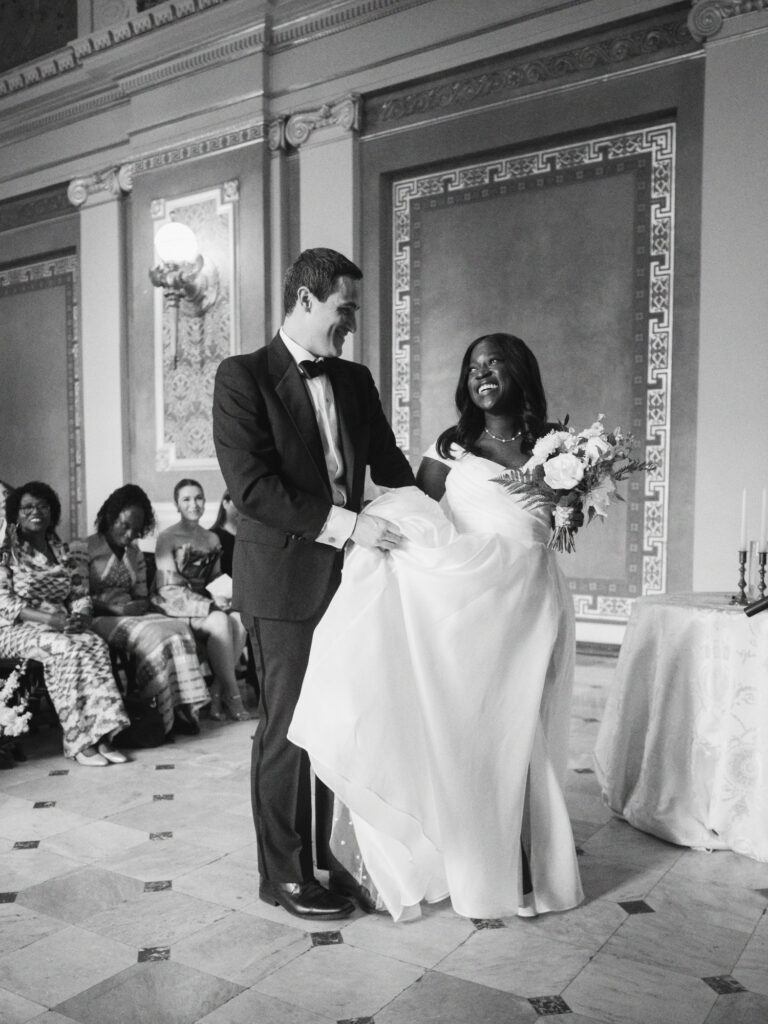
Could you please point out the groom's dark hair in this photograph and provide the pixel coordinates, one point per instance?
(531, 417)
(317, 270)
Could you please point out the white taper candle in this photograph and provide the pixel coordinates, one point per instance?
(743, 532)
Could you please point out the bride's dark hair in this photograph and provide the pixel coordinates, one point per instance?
(531, 404)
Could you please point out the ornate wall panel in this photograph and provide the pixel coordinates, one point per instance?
(40, 353)
(571, 247)
(184, 380)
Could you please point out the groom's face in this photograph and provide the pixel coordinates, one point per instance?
(329, 322)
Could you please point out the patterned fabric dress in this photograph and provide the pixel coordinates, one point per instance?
(167, 666)
(78, 674)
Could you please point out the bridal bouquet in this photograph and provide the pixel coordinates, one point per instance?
(14, 717)
(573, 475)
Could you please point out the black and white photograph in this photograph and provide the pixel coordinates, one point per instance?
(383, 511)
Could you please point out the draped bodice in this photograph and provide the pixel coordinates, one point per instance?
(475, 503)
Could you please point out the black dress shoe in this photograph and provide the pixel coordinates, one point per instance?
(345, 885)
(305, 899)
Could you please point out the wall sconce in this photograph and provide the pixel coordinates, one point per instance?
(190, 282)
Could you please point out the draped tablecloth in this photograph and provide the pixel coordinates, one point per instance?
(682, 751)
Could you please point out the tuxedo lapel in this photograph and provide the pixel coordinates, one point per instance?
(290, 389)
(346, 408)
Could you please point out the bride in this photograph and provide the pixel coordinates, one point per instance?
(437, 699)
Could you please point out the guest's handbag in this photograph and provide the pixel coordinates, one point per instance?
(146, 728)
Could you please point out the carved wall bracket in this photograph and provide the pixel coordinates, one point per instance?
(707, 17)
(344, 114)
(101, 187)
(276, 134)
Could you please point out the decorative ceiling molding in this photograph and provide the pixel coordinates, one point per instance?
(23, 128)
(585, 59)
(708, 16)
(71, 57)
(209, 56)
(194, 149)
(101, 187)
(334, 18)
(327, 20)
(344, 114)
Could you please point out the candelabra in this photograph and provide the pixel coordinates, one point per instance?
(742, 596)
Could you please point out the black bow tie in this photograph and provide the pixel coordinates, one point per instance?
(313, 367)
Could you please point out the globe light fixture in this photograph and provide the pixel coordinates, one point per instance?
(189, 282)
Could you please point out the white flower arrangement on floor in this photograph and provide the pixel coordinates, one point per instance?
(14, 717)
(574, 475)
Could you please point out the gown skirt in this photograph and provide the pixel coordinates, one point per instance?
(436, 704)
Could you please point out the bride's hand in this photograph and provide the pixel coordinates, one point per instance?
(374, 532)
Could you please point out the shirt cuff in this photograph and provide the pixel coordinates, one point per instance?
(338, 527)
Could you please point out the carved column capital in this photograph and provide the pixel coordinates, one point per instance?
(276, 134)
(101, 187)
(345, 114)
(707, 16)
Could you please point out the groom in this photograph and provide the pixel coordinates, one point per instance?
(295, 428)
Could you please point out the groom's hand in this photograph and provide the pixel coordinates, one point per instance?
(373, 532)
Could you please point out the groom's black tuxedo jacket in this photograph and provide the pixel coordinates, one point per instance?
(270, 452)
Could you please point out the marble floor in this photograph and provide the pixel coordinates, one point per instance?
(129, 894)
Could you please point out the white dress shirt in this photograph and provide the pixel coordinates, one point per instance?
(341, 521)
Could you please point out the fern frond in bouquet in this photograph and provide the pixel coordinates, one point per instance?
(574, 476)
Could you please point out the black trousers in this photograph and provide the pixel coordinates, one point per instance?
(281, 787)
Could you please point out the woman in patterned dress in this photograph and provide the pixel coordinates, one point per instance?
(188, 560)
(5, 490)
(164, 651)
(45, 613)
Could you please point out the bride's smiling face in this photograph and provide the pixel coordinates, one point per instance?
(491, 386)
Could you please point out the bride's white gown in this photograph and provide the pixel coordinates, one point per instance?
(440, 674)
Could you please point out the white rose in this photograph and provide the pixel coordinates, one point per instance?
(563, 472)
(594, 449)
(599, 498)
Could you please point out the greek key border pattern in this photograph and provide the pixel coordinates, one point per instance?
(48, 273)
(658, 143)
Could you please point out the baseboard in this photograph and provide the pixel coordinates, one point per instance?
(592, 649)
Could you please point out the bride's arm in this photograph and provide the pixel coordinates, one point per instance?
(431, 477)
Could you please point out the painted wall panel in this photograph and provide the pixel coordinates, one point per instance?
(171, 185)
(40, 382)
(564, 279)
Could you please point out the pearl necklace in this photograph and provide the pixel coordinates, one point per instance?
(504, 440)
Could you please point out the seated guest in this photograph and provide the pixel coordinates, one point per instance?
(45, 613)
(164, 650)
(225, 528)
(187, 558)
(5, 490)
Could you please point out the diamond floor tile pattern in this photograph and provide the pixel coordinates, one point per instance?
(131, 894)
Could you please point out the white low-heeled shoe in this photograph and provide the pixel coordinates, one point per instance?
(91, 760)
(111, 755)
(528, 906)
